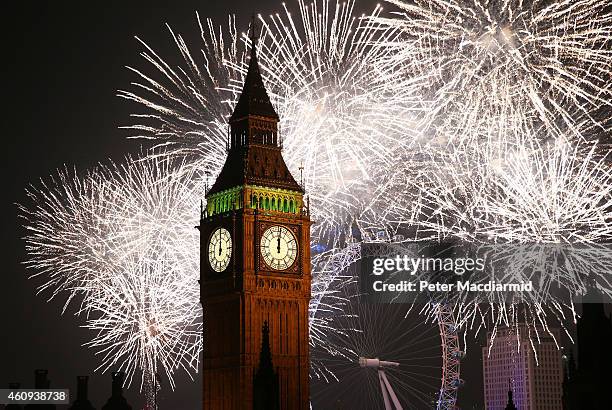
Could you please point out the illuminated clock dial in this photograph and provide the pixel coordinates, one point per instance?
(220, 249)
(278, 247)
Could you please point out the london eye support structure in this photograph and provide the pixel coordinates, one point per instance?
(451, 357)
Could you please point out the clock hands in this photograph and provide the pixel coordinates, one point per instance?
(285, 253)
(220, 249)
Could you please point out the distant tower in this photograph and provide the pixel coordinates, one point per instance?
(13, 386)
(587, 385)
(117, 401)
(535, 385)
(594, 339)
(255, 263)
(41, 382)
(355, 232)
(265, 382)
(82, 402)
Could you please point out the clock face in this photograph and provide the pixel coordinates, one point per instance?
(278, 247)
(220, 249)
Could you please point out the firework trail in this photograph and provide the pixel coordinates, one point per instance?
(118, 240)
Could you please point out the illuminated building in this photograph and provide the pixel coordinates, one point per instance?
(535, 381)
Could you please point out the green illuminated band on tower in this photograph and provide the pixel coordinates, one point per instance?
(256, 197)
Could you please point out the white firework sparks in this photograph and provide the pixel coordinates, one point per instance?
(147, 319)
(344, 117)
(552, 193)
(515, 90)
(501, 69)
(386, 331)
(119, 239)
(127, 243)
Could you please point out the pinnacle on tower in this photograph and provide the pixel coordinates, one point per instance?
(254, 99)
(510, 405)
(265, 356)
(254, 142)
(265, 382)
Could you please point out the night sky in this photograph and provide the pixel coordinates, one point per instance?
(63, 63)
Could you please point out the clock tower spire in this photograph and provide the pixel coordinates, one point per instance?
(255, 262)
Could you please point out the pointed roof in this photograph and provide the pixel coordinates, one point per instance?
(255, 165)
(265, 383)
(254, 99)
(254, 160)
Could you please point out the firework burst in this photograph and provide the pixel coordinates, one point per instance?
(343, 117)
(518, 94)
(116, 231)
(118, 240)
(552, 193)
(502, 69)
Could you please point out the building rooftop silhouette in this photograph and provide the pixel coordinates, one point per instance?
(41, 381)
(117, 401)
(586, 384)
(82, 401)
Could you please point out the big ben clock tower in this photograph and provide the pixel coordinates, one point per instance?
(255, 267)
